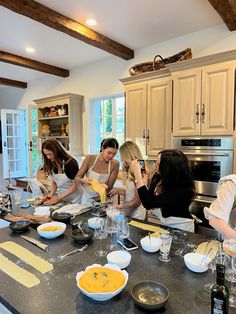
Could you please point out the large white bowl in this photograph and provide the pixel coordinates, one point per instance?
(102, 296)
(150, 245)
(196, 262)
(51, 234)
(119, 258)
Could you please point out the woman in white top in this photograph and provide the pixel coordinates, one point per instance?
(132, 205)
(62, 168)
(103, 167)
(222, 212)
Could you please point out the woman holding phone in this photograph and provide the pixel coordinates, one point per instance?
(171, 190)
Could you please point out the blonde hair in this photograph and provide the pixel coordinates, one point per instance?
(129, 151)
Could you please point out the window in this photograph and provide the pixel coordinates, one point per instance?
(107, 120)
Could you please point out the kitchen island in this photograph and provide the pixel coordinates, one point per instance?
(57, 291)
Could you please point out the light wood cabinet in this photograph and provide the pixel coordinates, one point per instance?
(148, 114)
(62, 116)
(203, 100)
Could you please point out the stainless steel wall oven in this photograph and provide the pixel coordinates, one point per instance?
(209, 158)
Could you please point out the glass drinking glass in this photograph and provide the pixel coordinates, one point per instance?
(179, 237)
(17, 196)
(229, 246)
(111, 225)
(123, 227)
(101, 233)
(166, 240)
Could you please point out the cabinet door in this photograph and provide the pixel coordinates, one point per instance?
(136, 100)
(217, 112)
(158, 116)
(186, 102)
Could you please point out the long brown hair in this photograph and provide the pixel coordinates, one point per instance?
(60, 154)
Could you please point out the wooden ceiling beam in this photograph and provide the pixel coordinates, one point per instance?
(227, 10)
(12, 83)
(32, 64)
(59, 22)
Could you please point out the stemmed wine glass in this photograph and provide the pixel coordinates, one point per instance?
(101, 233)
(123, 227)
(229, 246)
(111, 224)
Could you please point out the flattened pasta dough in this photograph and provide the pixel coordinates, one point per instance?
(205, 247)
(155, 229)
(19, 274)
(26, 256)
(97, 187)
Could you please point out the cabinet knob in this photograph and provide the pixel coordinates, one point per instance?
(197, 114)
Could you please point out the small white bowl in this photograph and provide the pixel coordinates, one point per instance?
(196, 262)
(150, 245)
(119, 258)
(106, 295)
(94, 222)
(51, 234)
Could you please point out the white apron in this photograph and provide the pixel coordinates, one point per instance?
(181, 223)
(140, 211)
(63, 184)
(102, 178)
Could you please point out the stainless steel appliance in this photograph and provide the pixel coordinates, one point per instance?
(209, 158)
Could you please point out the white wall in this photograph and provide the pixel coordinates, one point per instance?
(102, 78)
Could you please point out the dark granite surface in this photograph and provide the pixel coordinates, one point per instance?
(57, 292)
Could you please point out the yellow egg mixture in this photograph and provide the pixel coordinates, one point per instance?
(101, 279)
(51, 228)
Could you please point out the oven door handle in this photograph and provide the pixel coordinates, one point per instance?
(206, 154)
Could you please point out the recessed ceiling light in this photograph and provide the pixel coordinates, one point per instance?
(91, 22)
(30, 49)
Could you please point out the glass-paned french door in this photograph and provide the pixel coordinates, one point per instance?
(14, 145)
(34, 156)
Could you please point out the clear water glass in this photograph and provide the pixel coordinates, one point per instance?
(17, 196)
(166, 240)
(111, 225)
(123, 227)
(101, 234)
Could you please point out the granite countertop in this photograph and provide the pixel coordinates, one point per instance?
(58, 293)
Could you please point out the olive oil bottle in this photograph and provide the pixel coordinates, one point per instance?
(219, 293)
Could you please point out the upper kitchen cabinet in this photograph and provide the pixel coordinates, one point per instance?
(148, 112)
(60, 117)
(203, 100)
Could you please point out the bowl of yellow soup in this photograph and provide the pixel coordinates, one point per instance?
(102, 283)
(51, 230)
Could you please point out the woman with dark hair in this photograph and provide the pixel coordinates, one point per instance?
(102, 167)
(171, 190)
(62, 168)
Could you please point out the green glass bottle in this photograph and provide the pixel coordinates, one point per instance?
(220, 293)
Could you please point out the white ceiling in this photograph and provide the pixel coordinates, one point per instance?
(133, 23)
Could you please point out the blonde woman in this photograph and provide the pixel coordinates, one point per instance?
(132, 205)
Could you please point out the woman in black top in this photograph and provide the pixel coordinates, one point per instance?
(171, 189)
(62, 168)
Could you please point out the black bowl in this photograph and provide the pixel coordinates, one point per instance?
(19, 226)
(150, 295)
(62, 217)
(79, 237)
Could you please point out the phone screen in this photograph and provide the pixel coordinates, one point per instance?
(128, 244)
(142, 165)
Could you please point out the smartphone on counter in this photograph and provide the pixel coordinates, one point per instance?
(128, 244)
(142, 165)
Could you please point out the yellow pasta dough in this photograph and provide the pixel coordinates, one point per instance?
(155, 229)
(19, 274)
(26, 256)
(97, 187)
(101, 279)
(205, 247)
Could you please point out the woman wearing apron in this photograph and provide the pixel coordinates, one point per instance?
(132, 205)
(171, 190)
(103, 167)
(62, 168)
